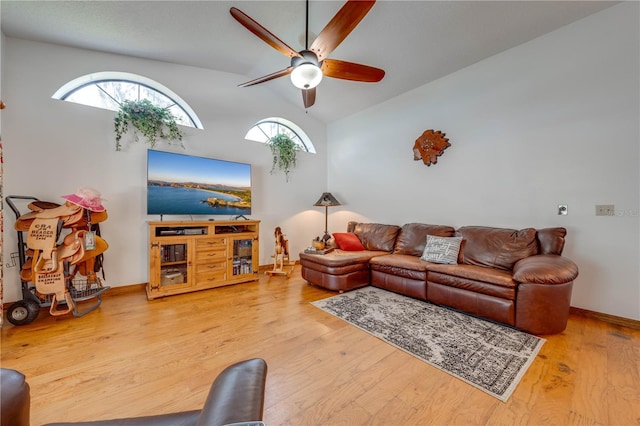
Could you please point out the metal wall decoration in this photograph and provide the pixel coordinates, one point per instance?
(429, 146)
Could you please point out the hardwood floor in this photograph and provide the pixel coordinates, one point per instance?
(132, 357)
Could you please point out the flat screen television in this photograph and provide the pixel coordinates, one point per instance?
(179, 184)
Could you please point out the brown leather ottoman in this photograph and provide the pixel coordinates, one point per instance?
(338, 270)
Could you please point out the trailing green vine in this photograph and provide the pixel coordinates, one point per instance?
(284, 151)
(151, 121)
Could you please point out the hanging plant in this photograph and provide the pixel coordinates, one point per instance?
(151, 121)
(284, 152)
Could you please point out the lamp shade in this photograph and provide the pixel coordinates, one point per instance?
(327, 200)
(306, 76)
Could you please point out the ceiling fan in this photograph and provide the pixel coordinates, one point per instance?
(309, 65)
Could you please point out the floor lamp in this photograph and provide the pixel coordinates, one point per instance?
(326, 200)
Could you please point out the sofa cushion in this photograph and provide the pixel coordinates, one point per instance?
(497, 277)
(348, 241)
(413, 237)
(497, 248)
(376, 236)
(442, 249)
(477, 287)
(402, 265)
(340, 258)
(551, 240)
(475, 279)
(401, 261)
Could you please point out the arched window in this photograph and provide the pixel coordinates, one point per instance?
(109, 89)
(265, 129)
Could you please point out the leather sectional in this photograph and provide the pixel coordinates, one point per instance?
(515, 277)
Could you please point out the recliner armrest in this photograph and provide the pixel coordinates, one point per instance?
(545, 269)
(237, 395)
(15, 398)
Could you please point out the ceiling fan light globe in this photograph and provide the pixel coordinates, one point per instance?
(306, 76)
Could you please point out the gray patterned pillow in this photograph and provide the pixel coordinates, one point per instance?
(442, 249)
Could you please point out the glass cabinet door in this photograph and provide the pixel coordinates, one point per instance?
(173, 264)
(242, 257)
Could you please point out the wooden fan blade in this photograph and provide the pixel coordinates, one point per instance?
(340, 27)
(351, 71)
(263, 33)
(267, 77)
(309, 97)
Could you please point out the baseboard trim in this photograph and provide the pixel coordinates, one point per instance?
(130, 288)
(611, 319)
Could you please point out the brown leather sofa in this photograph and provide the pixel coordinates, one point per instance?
(515, 277)
(236, 396)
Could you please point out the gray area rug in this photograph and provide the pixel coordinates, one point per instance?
(489, 356)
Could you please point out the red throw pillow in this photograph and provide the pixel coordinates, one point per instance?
(348, 241)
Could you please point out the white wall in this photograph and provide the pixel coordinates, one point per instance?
(553, 121)
(53, 147)
(1, 180)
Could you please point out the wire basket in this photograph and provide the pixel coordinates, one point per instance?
(79, 288)
(83, 288)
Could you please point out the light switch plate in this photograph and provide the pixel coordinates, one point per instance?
(605, 210)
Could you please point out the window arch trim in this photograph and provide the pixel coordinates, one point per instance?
(301, 137)
(118, 76)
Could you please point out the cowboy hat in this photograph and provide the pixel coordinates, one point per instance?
(87, 198)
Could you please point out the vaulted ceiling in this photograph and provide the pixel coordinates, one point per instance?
(415, 42)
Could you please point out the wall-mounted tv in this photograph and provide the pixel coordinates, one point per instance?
(179, 184)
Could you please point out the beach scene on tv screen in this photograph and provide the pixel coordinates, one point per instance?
(184, 184)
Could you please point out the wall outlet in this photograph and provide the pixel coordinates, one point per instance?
(605, 210)
(563, 209)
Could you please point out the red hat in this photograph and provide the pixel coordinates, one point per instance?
(87, 198)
